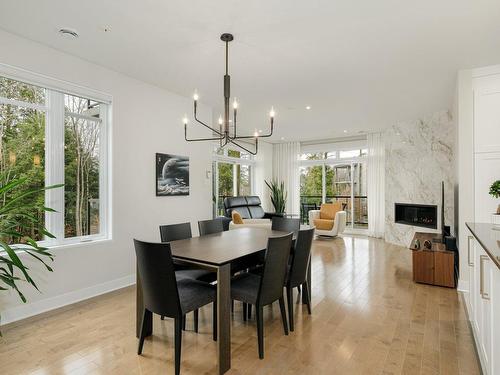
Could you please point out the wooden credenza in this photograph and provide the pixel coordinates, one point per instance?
(434, 266)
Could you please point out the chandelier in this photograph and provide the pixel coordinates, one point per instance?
(227, 133)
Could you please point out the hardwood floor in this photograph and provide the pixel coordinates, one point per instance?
(368, 318)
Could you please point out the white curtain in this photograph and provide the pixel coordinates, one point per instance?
(286, 169)
(376, 185)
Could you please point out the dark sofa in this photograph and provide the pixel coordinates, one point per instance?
(249, 207)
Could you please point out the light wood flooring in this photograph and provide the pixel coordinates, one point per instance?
(368, 318)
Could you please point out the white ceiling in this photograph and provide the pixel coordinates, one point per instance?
(360, 65)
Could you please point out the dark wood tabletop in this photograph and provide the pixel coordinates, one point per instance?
(222, 248)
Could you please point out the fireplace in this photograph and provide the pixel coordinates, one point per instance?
(419, 215)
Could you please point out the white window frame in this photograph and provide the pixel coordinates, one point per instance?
(332, 162)
(54, 147)
(250, 162)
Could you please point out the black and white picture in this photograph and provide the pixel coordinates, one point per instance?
(172, 175)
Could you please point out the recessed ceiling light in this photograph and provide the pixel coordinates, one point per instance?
(71, 33)
(282, 138)
(260, 130)
(308, 107)
(345, 131)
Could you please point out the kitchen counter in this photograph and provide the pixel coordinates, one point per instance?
(488, 237)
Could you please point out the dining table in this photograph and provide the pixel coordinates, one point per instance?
(216, 252)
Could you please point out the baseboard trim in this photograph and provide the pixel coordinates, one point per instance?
(463, 286)
(31, 309)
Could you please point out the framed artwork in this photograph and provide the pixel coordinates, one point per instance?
(172, 175)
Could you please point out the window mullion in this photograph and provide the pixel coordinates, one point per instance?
(323, 183)
(54, 164)
(104, 173)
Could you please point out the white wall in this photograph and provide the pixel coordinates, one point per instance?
(146, 119)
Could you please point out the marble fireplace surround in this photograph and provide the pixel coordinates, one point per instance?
(419, 155)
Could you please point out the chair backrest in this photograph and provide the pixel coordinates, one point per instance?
(300, 258)
(275, 268)
(285, 224)
(157, 276)
(210, 226)
(328, 210)
(174, 232)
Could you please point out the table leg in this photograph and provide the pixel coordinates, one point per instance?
(223, 318)
(140, 308)
(304, 299)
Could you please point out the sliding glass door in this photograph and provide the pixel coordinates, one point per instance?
(330, 179)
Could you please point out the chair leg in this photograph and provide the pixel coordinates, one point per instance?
(249, 314)
(244, 309)
(305, 288)
(289, 299)
(183, 322)
(298, 288)
(195, 312)
(214, 321)
(259, 314)
(145, 315)
(232, 305)
(283, 315)
(178, 343)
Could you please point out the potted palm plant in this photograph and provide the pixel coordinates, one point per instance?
(495, 193)
(20, 223)
(278, 195)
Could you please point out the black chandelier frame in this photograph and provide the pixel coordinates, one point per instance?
(226, 136)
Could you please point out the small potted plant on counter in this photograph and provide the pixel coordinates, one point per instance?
(495, 192)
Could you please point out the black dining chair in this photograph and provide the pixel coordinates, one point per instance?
(297, 274)
(282, 224)
(182, 231)
(210, 226)
(285, 224)
(252, 289)
(163, 294)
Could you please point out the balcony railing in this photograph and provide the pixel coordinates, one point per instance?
(308, 202)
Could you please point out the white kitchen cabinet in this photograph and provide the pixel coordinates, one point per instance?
(471, 297)
(487, 113)
(495, 320)
(483, 305)
(478, 166)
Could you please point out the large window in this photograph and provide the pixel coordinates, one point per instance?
(336, 176)
(49, 137)
(232, 176)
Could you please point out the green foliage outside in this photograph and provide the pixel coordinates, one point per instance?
(22, 154)
(311, 178)
(22, 151)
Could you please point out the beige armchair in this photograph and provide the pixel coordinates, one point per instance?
(329, 220)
